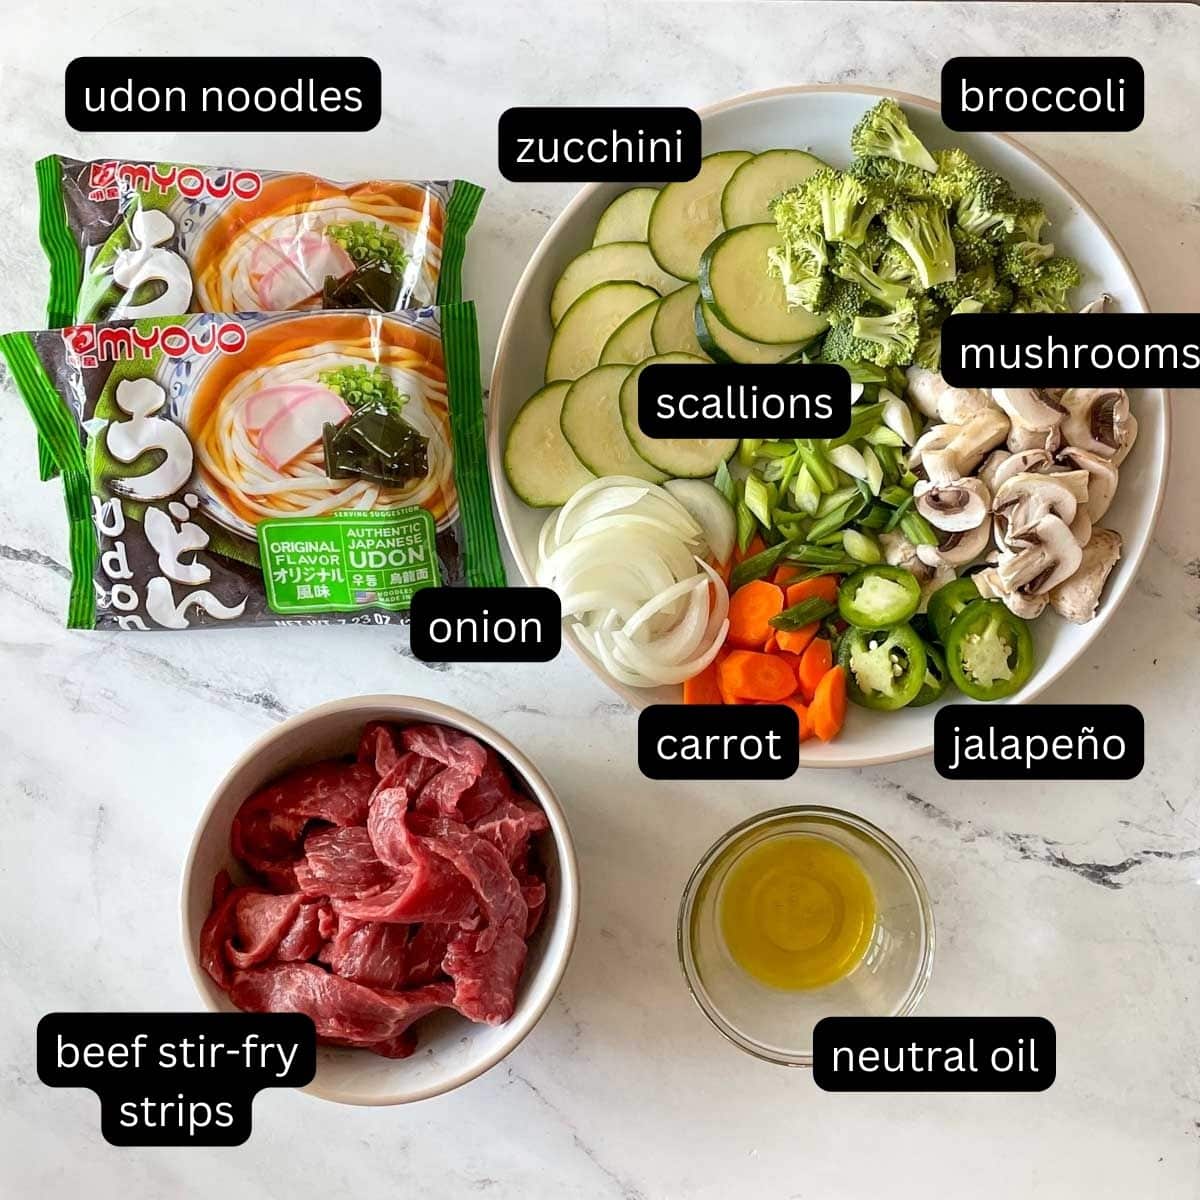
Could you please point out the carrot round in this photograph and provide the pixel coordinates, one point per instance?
(786, 573)
(702, 688)
(748, 675)
(751, 608)
(825, 587)
(796, 641)
(814, 664)
(801, 711)
(755, 546)
(827, 711)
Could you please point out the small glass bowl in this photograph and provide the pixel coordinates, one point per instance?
(774, 1024)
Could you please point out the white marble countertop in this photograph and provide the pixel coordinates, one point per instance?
(1076, 902)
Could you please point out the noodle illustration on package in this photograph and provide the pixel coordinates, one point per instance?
(263, 468)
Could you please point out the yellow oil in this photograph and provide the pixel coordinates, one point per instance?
(797, 912)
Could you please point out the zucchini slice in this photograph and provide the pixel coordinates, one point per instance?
(751, 188)
(687, 216)
(680, 458)
(539, 462)
(631, 341)
(626, 218)
(674, 329)
(607, 264)
(579, 339)
(591, 423)
(721, 344)
(737, 286)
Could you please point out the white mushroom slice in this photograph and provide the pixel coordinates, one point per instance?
(1021, 438)
(1102, 477)
(898, 551)
(1013, 464)
(934, 397)
(1024, 499)
(1098, 305)
(924, 388)
(967, 448)
(1045, 556)
(954, 507)
(1131, 432)
(1078, 597)
(958, 549)
(1081, 527)
(1028, 409)
(936, 437)
(1099, 420)
(1021, 605)
(943, 575)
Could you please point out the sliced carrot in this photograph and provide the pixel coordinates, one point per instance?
(814, 665)
(801, 710)
(824, 587)
(702, 688)
(756, 546)
(771, 644)
(786, 574)
(828, 709)
(753, 676)
(792, 660)
(796, 641)
(751, 608)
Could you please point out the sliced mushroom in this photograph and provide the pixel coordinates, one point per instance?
(958, 549)
(1021, 438)
(1024, 499)
(1102, 477)
(898, 551)
(1010, 464)
(1099, 420)
(1078, 597)
(943, 575)
(1131, 432)
(954, 507)
(936, 437)
(934, 397)
(966, 449)
(1018, 603)
(1027, 408)
(1098, 305)
(1045, 555)
(1081, 527)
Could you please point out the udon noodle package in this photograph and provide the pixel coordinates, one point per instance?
(264, 468)
(128, 240)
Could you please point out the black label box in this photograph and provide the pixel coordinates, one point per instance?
(718, 741)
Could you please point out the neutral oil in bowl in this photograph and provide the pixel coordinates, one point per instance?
(797, 912)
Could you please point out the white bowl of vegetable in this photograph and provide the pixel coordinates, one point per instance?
(635, 533)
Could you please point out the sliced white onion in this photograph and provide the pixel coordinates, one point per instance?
(711, 511)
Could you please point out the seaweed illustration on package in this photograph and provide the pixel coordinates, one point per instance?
(132, 240)
(264, 468)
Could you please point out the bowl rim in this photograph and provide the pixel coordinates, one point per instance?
(506, 341)
(796, 813)
(520, 1025)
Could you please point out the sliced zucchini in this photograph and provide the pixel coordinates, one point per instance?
(721, 344)
(591, 423)
(626, 218)
(631, 342)
(539, 462)
(680, 458)
(752, 187)
(607, 264)
(687, 216)
(589, 323)
(737, 286)
(674, 329)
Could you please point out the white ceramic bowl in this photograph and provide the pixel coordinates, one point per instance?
(451, 1051)
(819, 118)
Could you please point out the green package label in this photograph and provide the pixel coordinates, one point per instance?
(348, 560)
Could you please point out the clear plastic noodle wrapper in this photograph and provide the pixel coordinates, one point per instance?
(264, 468)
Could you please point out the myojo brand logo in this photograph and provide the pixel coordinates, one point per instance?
(92, 344)
(191, 182)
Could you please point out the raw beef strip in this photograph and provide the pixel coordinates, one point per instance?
(441, 795)
(373, 954)
(390, 803)
(377, 747)
(450, 747)
(427, 890)
(269, 827)
(260, 921)
(341, 862)
(509, 827)
(534, 891)
(343, 1011)
(485, 980)
(308, 933)
(426, 949)
(218, 928)
(492, 789)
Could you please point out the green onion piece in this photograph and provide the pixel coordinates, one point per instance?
(862, 421)
(918, 530)
(756, 566)
(862, 547)
(842, 515)
(883, 436)
(747, 450)
(775, 450)
(724, 484)
(758, 500)
(793, 465)
(876, 517)
(900, 513)
(818, 465)
(895, 496)
(745, 525)
(805, 613)
(805, 493)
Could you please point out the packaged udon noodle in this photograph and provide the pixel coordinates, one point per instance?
(264, 468)
(128, 240)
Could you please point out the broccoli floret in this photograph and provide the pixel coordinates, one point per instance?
(849, 264)
(894, 334)
(884, 132)
(971, 250)
(980, 284)
(845, 301)
(1030, 220)
(1045, 288)
(981, 199)
(846, 205)
(841, 346)
(893, 180)
(796, 213)
(1017, 260)
(875, 244)
(969, 305)
(804, 283)
(920, 226)
(896, 266)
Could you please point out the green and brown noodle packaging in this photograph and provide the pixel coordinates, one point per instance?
(130, 240)
(264, 468)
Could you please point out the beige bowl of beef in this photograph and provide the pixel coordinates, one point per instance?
(450, 1049)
